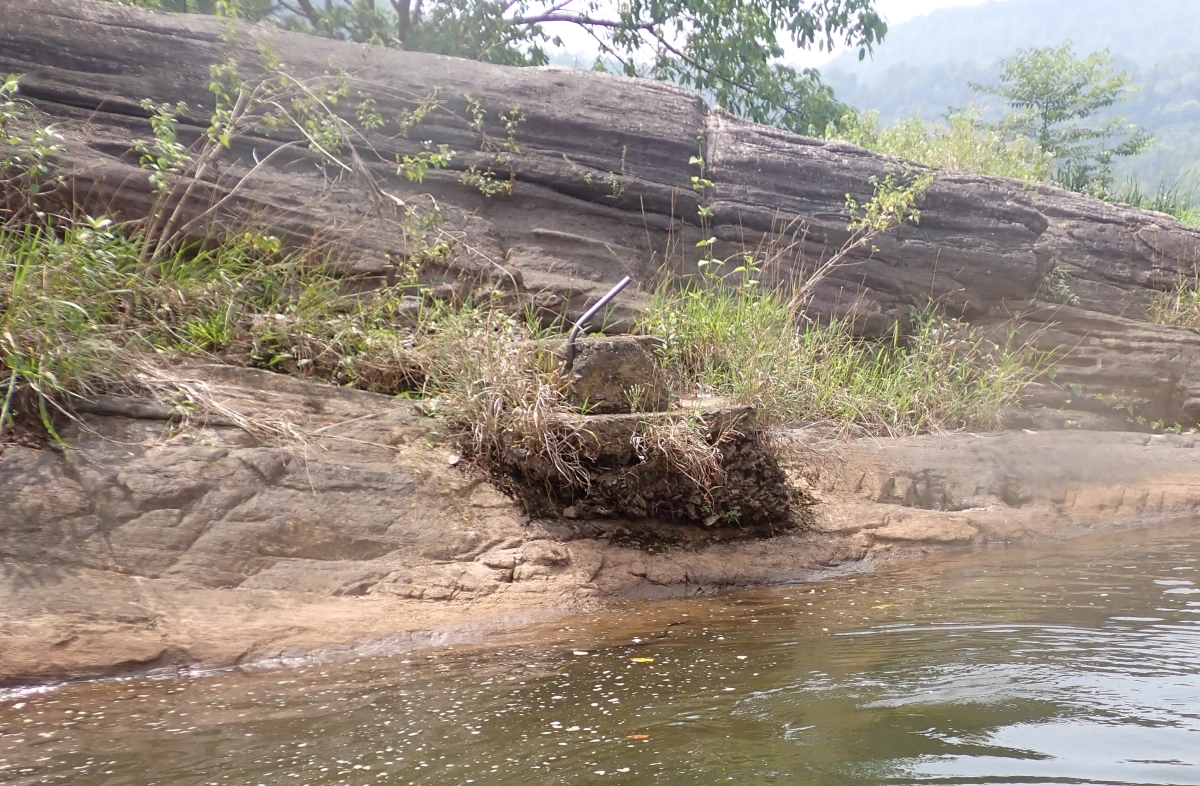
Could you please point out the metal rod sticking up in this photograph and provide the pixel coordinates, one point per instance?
(591, 312)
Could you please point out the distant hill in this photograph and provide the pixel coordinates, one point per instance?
(924, 65)
(1141, 31)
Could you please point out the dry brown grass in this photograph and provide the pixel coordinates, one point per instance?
(1178, 307)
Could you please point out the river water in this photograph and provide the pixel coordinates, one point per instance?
(1071, 663)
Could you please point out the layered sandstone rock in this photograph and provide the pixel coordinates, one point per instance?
(601, 188)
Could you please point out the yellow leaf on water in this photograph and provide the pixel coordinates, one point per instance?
(642, 660)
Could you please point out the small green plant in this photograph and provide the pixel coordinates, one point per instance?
(368, 115)
(1170, 197)
(80, 315)
(636, 396)
(485, 179)
(892, 204)
(614, 181)
(756, 348)
(705, 188)
(208, 333)
(85, 303)
(409, 119)
(1056, 287)
(162, 155)
(27, 152)
(1134, 416)
(310, 107)
(273, 102)
(415, 167)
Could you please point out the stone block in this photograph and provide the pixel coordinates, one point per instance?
(615, 375)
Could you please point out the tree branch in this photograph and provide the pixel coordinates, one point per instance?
(712, 72)
(314, 16)
(581, 20)
(289, 7)
(606, 49)
(403, 18)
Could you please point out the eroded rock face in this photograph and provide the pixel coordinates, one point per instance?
(1104, 361)
(148, 544)
(136, 547)
(600, 190)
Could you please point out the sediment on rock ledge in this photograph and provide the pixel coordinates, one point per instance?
(631, 466)
(616, 444)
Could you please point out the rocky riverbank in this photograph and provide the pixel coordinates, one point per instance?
(144, 546)
(298, 517)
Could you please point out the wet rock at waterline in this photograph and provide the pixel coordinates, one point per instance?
(145, 547)
(599, 191)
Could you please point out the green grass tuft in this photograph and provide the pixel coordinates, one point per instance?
(1171, 197)
(79, 308)
(756, 348)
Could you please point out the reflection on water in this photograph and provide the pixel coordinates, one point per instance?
(1067, 664)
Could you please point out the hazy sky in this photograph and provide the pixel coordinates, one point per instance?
(895, 11)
